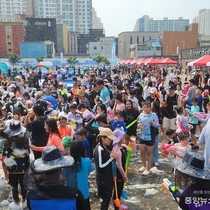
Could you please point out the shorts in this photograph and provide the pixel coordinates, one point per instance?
(147, 143)
(192, 131)
(169, 123)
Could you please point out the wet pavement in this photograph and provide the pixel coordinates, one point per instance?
(138, 184)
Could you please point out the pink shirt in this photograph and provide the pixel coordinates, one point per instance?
(119, 107)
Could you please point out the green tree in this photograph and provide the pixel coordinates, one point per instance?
(13, 59)
(72, 60)
(39, 59)
(102, 60)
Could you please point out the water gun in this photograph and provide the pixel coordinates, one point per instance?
(166, 148)
(171, 189)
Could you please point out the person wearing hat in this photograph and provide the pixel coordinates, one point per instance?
(38, 95)
(169, 112)
(82, 99)
(121, 151)
(16, 152)
(103, 162)
(50, 193)
(196, 195)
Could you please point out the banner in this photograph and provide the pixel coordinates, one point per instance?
(113, 53)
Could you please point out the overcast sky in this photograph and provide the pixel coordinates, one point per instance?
(121, 15)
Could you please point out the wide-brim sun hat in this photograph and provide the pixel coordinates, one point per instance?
(80, 93)
(153, 90)
(193, 165)
(119, 135)
(14, 128)
(52, 159)
(107, 132)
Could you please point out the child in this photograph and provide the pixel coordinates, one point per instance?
(2, 140)
(204, 117)
(77, 175)
(171, 134)
(117, 122)
(81, 135)
(181, 121)
(63, 128)
(16, 152)
(193, 121)
(75, 118)
(150, 125)
(205, 99)
(121, 150)
(183, 143)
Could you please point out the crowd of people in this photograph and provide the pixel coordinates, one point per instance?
(67, 128)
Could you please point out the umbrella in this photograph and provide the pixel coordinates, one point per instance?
(203, 61)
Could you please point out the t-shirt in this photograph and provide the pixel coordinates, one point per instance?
(39, 136)
(191, 91)
(82, 176)
(105, 95)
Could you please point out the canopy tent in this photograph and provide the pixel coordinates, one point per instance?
(128, 61)
(203, 61)
(140, 61)
(158, 61)
(151, 61)
(134, 61)
(168, 61)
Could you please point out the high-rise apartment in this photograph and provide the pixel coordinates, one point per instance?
(96, 21)
(10, 8)
(76, 14)
(146, 24)
(203, 20)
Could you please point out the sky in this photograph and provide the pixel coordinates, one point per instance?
(121, 15)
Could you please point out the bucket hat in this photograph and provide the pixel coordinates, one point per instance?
(193, 165)
(107, 132)
(14, 128)
(52, 159)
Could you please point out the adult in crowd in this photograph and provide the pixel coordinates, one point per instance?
(48, 192)
(54, 136)
(191, 92)
(169, 111)
(104, 92)
(39, 135)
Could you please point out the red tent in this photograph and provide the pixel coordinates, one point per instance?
(128, 61)
(145, 61)
(203, 61)
(151, 61)
(168, 61)
(139, 61)
(158, 61)
(134, 61)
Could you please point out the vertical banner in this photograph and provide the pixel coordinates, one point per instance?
(113, 53)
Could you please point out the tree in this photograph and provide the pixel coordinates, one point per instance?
(102, 60)
(39, 59)
(13, 59)
(72, 60)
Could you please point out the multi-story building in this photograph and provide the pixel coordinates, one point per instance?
(10, 8)
(204, 40)
(203, 20)
(175, 41)
(73, 43)
(96, 21)
(11, 35)
(40, 30)
(84, 39)
(148, 24)
(102, 47)
(125, 39)
(62, 38)
(76, 14)
(150, 48)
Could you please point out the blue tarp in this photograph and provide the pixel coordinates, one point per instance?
(4, 66)
(156, 44)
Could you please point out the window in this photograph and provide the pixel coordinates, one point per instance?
(143, 39)
(8, 37)
(130, 39)
(137, 39)
(95, 48)
(150, 37)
